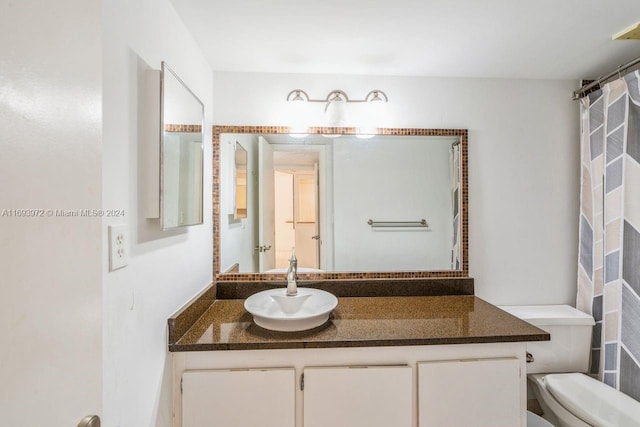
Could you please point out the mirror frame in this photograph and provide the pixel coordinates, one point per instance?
(231, 276)
(171, 127)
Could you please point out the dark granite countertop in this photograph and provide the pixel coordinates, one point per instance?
(223, 324)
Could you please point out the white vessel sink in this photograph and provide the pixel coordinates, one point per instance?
(273, 309)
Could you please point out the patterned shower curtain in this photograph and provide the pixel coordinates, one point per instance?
(454, 169)
(609, 250)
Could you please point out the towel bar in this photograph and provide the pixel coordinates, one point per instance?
(421, 223)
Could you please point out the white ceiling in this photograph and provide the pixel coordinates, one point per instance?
(547, 39)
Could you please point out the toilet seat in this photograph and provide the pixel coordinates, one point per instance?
(535, 421)
(592, 401)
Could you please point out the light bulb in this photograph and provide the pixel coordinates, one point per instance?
(335, 114)
(298, 117)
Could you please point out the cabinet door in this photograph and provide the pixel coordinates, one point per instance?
(474, 392)
(367, 396)
(239, 398)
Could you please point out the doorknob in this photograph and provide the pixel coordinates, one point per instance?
(316, 237)
(262, 248)
(90, 421)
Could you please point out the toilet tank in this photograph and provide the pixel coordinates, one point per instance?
(570, 330)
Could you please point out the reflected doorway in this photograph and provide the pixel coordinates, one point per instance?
(294, 196)
(296, 211)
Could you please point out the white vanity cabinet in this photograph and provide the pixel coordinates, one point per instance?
(469, 392)
(358, 396)
(406, 386)
(244, 397)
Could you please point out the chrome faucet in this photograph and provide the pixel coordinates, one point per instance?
(292, 275)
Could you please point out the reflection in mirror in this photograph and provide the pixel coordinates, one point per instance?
(240, 179)
(181, 172)
(391, 203)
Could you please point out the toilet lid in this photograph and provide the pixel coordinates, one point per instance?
(592, 401)
(535, 421)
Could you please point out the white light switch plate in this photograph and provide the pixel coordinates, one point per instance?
(118, 246)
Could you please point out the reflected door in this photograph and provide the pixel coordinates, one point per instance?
(316, 236)
(306, 219)
(266, 214)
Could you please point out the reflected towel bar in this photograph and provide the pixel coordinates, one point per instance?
(421, 223)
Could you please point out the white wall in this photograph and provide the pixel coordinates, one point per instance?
(165, 269)
(523, 163)
(392, 179)
(50, 283)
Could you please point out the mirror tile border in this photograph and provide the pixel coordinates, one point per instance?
(182, 128)
(464, 206)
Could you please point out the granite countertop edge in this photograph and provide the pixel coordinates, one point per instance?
(284, 345)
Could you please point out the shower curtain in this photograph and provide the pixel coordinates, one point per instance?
(454, 169)
(609, 248)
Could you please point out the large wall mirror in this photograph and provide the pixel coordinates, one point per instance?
(181, 172)
(391, 205)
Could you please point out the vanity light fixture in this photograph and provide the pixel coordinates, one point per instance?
(336, 111)
(298, 114)
(301, 95)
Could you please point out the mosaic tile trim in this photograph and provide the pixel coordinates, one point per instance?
(183, 128)
(360, 288)
(463, 203)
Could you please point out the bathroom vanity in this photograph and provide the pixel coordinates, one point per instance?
(414, 360)
(408, 345)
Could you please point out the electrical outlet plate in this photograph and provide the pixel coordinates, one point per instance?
(118, 246)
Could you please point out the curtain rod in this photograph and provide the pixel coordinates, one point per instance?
(581, 92)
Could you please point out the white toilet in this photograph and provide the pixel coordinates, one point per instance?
(568, 397)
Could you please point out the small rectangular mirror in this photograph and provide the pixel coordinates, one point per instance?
(181, 154)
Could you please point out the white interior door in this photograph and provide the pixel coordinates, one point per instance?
(325, 206)
(51, 283)
(316, 234)
(266, 197)
(306, 218)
